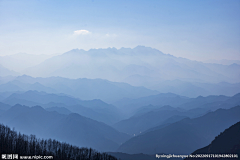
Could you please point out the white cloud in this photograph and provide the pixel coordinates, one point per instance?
(81, 32)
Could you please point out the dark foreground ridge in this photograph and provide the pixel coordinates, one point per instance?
(226, 143)
(12, 142)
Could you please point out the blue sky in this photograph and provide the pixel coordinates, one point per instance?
(198, 30)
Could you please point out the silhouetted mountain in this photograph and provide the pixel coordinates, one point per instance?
(181, 87)
(85, 89)
(222, 88)
(6, 79)
(145, 104)
(185, 136)
(97, 112)
(132, 105)
(227, 142)
(4, 95)
(42, 98)
(95, 109)
(141, 122)
(112, 91)
(92, 113)
(165, 123)
(13, 101)
(72, 128)
(106, 115)
(82, 131)
(140, 66)
(34, 120)
(31, 86)
(234, 100)
(194, 89)
(212, 102)
(203, 102)
(118, 64)
(231, 70)
(10, 87)
(6, 72)
(146, 109)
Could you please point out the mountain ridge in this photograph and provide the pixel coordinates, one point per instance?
(185, 136)
(140, 55)
(95, 109)
(45, 124)
(227, 142)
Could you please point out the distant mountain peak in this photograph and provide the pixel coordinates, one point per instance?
(19, 107)
(74, 52)
(237, 95)
(112, 50)
(75, 49)
(76, 116)
(37, 108)
(24, 77)
(144, 49)
(7, 72)
(234, 64)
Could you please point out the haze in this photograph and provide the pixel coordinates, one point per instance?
(197, 30)
(130, 78)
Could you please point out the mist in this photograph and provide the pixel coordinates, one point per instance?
(129, 80)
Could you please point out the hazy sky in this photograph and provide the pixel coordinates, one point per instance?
(194, 29)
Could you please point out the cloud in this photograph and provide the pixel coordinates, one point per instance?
(81, 32)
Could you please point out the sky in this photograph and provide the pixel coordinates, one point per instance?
(197, 30)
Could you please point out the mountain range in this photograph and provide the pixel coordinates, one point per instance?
(226, 143)
(184, 136)
(86, 89)
(168, 137)
(149, 103)
(140, 66)
(163, 115)
(132, 103)
(118, 64)
(95, 109)
(73, 128)
(7, 72)
(127, 111)
(164, 109)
